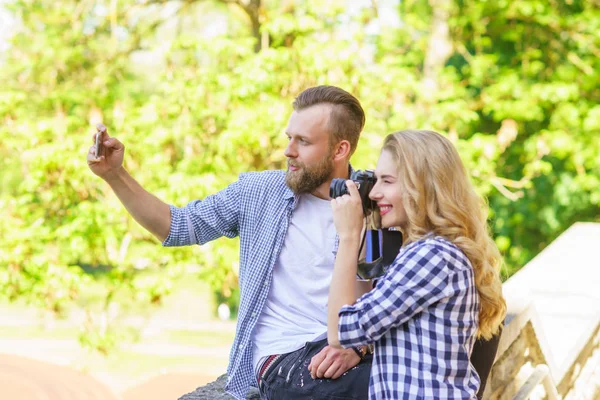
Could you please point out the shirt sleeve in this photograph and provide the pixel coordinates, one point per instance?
(417, 279)
(204, 220)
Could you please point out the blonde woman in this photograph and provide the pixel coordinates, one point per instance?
(443, 289)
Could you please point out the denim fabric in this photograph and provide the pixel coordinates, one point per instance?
(288, 378)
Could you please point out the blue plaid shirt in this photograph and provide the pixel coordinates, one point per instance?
(423, 317)
(257, 208)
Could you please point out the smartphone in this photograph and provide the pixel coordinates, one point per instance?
(100, 130)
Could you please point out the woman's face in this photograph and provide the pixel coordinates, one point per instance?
(387, 192)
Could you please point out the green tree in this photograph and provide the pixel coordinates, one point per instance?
(200, 91)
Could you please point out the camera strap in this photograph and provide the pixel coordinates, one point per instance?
(383, 247)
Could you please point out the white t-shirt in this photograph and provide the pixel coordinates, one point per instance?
(296, 307)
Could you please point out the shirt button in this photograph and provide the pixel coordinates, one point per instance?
(254, 314)
(266, 283)
(241, 346)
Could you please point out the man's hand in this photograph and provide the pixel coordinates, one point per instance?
(111, 160)
(332, 363)
(147, 209)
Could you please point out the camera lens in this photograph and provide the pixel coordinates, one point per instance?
(337, 188)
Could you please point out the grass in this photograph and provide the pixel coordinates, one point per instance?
(37, 332)
(195, 338)
(128, 363)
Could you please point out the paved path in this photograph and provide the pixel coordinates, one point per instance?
(167, 386)
(26, 379)
(23, 378)
(46, 368)
(38, 369)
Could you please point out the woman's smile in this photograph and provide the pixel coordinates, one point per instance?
(384, 208)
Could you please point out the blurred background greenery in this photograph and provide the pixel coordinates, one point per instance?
(201, 90)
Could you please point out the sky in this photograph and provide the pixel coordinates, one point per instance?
(7, 23)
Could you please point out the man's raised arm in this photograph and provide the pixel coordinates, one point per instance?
(149, 211)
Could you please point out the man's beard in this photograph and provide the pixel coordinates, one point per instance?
(307, 179)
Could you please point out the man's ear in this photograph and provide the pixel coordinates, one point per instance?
(342, 150)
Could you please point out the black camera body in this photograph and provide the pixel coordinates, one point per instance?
(383, 244)
(365, 180)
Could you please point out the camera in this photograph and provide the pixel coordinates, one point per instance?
(382, 245)
(365, 180)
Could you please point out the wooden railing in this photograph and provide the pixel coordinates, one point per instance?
(550, 345)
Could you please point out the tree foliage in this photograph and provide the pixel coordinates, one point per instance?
(200, 91)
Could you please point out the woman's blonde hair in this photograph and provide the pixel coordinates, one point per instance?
(438, 197)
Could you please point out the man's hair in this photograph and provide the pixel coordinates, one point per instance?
(347, 117)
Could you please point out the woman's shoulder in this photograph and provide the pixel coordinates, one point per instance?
(436, 248)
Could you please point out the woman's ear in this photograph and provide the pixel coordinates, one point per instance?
(342, 150)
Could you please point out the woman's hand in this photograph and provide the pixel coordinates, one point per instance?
(348, 213)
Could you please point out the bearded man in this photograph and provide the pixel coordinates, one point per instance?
(287, 250)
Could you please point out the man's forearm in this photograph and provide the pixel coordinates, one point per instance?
(149, 211)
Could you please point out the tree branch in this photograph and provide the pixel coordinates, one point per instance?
(514, 196)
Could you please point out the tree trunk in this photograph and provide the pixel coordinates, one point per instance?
(440, 45)
(253, 9)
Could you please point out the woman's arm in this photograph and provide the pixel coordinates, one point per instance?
(420, 276)
(343, 289)
(348, 218)
(363, 287)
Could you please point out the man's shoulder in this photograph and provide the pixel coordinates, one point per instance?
(267, 177)
(264, 185)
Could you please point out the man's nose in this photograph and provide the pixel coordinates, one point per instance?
(290, 151)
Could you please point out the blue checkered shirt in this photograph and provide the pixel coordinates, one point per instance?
(422, 316)
(257, 208)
